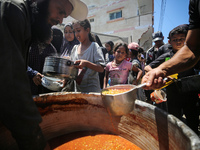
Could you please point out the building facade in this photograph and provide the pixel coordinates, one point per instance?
(121, 20)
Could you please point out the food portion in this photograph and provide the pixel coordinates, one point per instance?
(158, 96)
(98, 142)
(114, 91)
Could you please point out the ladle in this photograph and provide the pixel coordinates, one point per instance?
(121, 103)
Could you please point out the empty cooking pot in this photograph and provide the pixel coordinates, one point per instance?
(59, 67)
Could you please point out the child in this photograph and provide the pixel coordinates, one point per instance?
(176, 40)
(142, 62)
(89, 56)
(119, 68)
(178, 101)
(69, 40)
(109, 55)
(133, 51)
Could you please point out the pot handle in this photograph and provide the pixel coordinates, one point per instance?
(70, 63)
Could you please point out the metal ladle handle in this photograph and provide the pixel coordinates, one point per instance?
(144, 84)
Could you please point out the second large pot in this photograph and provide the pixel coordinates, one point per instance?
(59, 67)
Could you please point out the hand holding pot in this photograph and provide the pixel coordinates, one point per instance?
(59, 67)
(37, 79)
(80, 63)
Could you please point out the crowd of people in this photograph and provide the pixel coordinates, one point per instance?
(123, 63)
(99, 65)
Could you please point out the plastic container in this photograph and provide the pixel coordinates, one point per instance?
(158, 96)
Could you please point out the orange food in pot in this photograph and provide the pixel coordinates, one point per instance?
(98, 142)
(114, 91)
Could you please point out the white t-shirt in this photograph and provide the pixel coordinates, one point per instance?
(94, 54)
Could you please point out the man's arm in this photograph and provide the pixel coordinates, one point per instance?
(147, 68)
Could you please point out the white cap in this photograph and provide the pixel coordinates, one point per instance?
(80, 10)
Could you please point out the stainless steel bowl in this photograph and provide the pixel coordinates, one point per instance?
(122, 103)
(59, 67)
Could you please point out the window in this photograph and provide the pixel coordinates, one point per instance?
(115, 15)
(91, 20)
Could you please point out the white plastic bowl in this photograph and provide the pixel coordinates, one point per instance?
(52, 83)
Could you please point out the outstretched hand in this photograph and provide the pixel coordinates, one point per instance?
(37, 79)
(154, 79)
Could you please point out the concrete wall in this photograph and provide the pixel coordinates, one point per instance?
(134, 26)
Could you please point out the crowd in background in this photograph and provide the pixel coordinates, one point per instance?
(116, 63)
(26, 43)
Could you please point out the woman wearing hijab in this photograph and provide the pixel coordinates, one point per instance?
(69, 40)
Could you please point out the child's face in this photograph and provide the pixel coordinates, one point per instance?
(69, 34)
(108, 47)
(120, 54)
(177, 41)
(80, 33)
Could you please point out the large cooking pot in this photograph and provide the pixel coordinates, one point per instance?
(59, 67)
(147, 126)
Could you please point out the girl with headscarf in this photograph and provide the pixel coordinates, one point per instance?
(69, 40)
